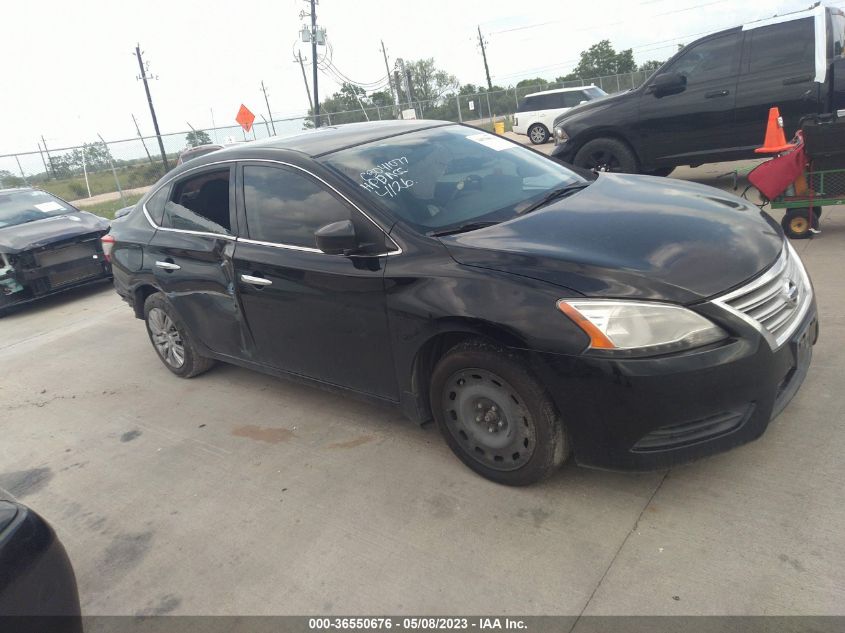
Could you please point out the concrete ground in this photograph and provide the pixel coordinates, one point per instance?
(237, 493)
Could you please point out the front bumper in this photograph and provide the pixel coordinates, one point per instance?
(564, 151)
(53, 269)
(647, 414)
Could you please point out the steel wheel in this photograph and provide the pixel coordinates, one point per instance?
(485, 415)
(166, 338)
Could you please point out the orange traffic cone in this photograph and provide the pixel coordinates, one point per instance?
(775, 139)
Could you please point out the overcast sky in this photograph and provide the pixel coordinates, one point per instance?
(69, 69)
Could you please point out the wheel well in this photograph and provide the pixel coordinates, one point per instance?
(141, 294)
(436, 347)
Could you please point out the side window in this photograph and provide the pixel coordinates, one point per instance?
(784, 44)
(713, 59)
(200, 203)
(572, 99)
(286, 207)
(155, 204)
(528, 104)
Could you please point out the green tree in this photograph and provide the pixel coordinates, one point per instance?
(537, 82)
(650, 66)
(430, 84)
(8, 179)
(601, 59)
(195, 138)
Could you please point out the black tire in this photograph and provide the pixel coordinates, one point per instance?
(499, 421)
(161, 318)
(662, 172)
(607, 154)
(538, 134)
(796, 223)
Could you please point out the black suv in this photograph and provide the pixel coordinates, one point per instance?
(532, 312)
(710, 102)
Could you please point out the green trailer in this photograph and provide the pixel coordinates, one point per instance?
(804, 200)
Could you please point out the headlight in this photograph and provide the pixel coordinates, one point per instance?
(640, 327)
(560, 135)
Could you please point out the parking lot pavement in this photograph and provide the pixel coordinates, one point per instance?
(238, 493)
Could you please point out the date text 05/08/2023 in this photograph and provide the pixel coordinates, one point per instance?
(417, 623)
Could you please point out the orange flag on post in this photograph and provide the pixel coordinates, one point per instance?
(245, 118)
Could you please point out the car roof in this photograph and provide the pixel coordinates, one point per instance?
(17, 190)
(556, 90)
(332, 138)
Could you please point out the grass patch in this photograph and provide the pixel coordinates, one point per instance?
(107, 209)
(130, 177)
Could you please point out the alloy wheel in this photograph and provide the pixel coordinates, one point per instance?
(166, 338)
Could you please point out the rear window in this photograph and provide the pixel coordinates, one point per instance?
(20, 207)
(785, 44)
(594, 92)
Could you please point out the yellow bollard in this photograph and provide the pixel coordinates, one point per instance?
(499, 127)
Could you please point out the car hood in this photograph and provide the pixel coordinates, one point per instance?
(23, 237)
(595, 104)
(630, 236)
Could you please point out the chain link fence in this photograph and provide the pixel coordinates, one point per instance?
(128, 166)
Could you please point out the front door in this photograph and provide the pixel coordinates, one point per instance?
(310, 313)
(691, 125)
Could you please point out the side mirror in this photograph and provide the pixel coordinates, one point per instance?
(337, 238)
(580, 102)
(667, 84)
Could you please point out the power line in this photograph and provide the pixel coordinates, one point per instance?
(604, 24)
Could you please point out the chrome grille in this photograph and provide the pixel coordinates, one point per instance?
(776, 302)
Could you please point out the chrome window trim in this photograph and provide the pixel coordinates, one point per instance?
(787, 253)
(294, 247)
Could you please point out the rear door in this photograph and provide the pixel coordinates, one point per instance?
(310, 313)
(560, 103)
(191, 256)
(778, 69)
(696, 123)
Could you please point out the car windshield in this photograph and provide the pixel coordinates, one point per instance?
(446, 177)
(594, 92)
(19, 207)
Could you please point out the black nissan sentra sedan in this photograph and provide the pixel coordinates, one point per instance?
(533, 312)
(46, 246)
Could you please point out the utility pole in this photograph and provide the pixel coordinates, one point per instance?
(143, 76)
(269, 113)
(314, 62)
(406, 79)
(481, 42)
(305, 79)
(393, 94)
(49, 158)
(46, 169)
(140, 136)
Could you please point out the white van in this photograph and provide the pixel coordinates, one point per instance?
(536, 113)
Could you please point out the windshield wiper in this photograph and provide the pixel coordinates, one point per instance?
(552, 195)
(463, 228)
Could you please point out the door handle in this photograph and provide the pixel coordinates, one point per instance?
(255, 281)
(168, 266)
(716, 93)
(797, 80)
